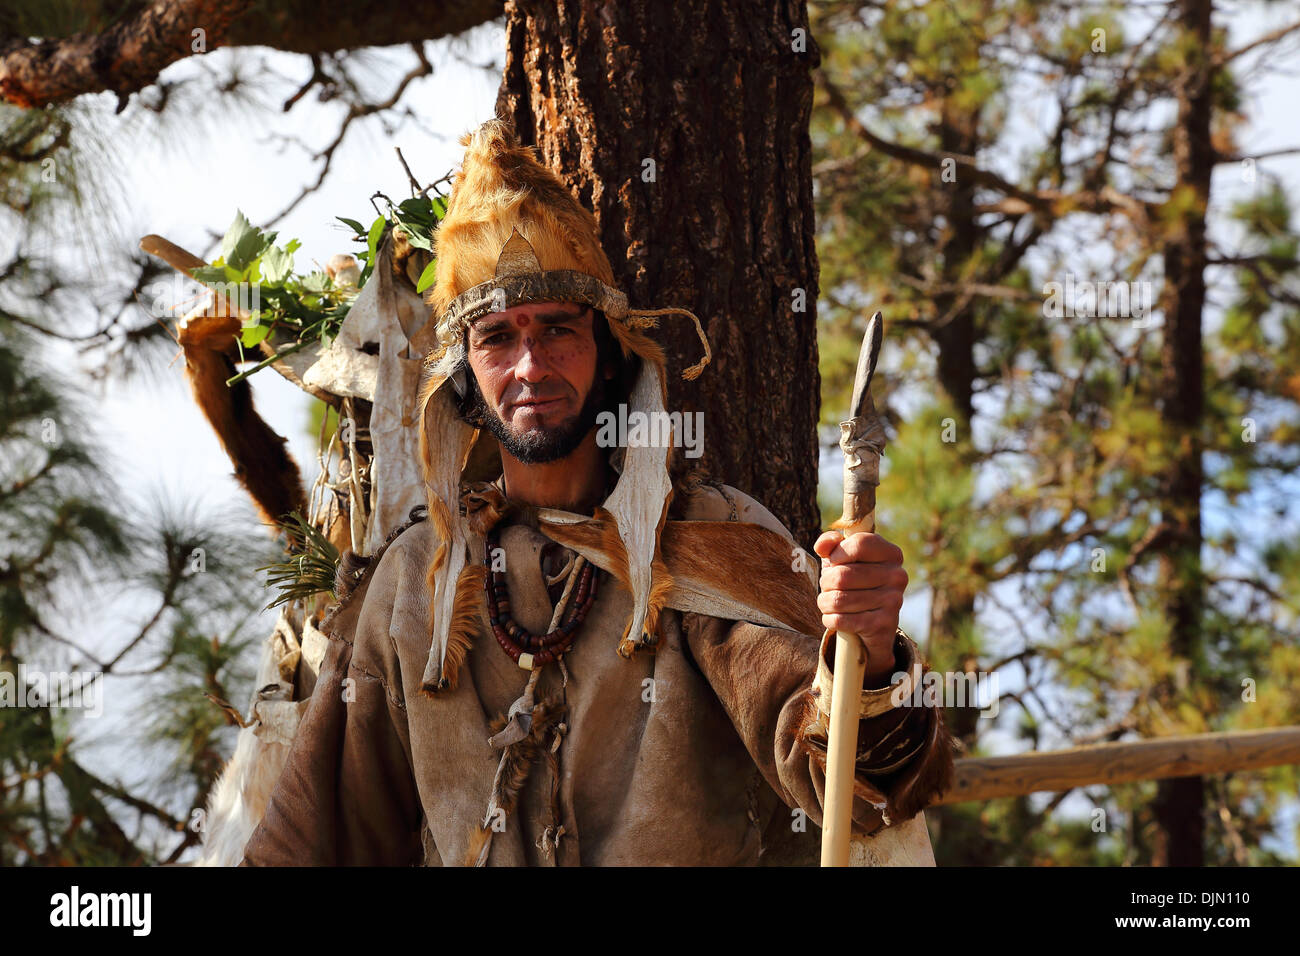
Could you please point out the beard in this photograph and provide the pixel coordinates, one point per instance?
(540, 444)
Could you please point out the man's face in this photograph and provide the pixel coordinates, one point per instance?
(536, 368)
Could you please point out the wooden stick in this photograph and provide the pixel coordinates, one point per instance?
(842, 742)
(862, 439)
(987, 778)
(185, 262)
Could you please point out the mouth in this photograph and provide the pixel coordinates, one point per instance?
(537, 405)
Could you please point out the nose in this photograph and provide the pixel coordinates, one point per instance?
(531, 367)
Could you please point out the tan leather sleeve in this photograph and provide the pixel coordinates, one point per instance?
(347, 795)
(775, 685)
(765, 679)
(904, 752)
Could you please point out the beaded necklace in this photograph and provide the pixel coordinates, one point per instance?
(526, 649)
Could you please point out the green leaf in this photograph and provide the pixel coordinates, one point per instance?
(372, 238)
(241, 243)
(376, 230)
(253, 334)
(209, 274)
(416, 239)
(417, 207)
(315, 282)
(428, 276)
(277, 264)
(352, 224)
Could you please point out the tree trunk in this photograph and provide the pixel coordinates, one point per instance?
(1180, 803)
(685, 129)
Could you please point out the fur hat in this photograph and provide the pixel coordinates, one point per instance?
(512, 234)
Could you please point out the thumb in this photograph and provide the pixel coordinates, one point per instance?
(827, 543)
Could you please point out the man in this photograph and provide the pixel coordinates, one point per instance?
(581, 656)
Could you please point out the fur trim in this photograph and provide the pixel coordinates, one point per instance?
(519, 757)
(441, 520)
(503, 186)
(516, 762)
(261, 460)
(348, 574)
(905, 792)
(915, 787)
(478, 840)
(599, 534)
(464, 620)
(484, 507)
(635, 342)
(660, 587)
(770, 584)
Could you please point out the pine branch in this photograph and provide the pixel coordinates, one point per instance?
(1270, 37)
(308, 572)
(1054, 202)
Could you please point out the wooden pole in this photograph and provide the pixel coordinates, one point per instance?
(842, 742)
(987, 778)
(862, 439)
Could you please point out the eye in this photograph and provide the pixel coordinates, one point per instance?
(495, 339)
(559, 330)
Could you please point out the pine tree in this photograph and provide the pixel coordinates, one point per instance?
(1050, 465)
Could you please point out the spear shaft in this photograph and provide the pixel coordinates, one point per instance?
(862, 439)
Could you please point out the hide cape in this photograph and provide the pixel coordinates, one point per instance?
(514, 234)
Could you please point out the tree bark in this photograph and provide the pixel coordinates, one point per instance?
(1179, 806)
(685, 129)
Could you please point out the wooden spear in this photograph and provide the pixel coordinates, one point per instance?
(862, 439)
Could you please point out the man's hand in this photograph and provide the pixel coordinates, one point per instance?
(862, 588)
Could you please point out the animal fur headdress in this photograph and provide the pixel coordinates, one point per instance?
(512, 234)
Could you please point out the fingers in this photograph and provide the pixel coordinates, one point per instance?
(862, 585)
(862, 577)
(876, 629)
(855, 602)
(861, 546)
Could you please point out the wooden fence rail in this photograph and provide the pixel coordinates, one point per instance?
(985, 778)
